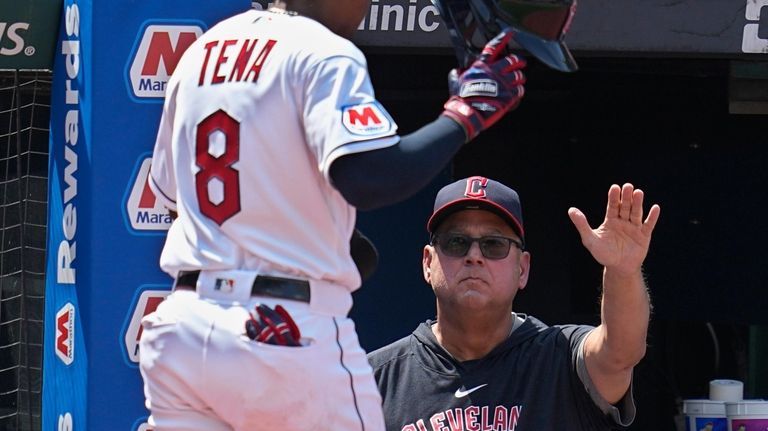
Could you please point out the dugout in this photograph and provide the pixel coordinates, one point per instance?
(671, 96)
(615, 120)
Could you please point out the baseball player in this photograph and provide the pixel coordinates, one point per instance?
(480, 365)
(270, 138)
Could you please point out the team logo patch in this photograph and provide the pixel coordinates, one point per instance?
(144, 211)
(147, 303)
(157, 52)
(366, 119)
(65, 333)
(476, 187)
(479, 87)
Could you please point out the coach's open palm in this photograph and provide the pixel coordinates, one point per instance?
(621, 241)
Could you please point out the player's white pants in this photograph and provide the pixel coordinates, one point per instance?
(201, 373)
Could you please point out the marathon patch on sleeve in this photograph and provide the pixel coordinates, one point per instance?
(366, 119)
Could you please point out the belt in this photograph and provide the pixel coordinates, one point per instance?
(263, 285)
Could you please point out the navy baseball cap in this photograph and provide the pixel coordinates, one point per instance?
(478, 193)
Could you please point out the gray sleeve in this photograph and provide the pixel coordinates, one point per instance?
(623, 412)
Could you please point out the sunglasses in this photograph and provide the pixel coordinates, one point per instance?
(458, 245)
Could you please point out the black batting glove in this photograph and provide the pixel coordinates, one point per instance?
(488, 89)
(272, 326)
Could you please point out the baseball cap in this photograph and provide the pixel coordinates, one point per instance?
(478, 193)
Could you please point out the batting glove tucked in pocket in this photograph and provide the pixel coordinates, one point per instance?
(272, 326)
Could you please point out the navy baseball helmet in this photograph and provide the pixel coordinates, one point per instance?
(539, 26)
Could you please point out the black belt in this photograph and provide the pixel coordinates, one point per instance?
(263, 285)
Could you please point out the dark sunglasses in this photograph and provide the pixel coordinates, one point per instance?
(458, 245)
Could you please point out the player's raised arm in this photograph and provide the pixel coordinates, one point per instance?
(620, 244)
(479, 97)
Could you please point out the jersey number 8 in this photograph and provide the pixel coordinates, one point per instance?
(217, 183)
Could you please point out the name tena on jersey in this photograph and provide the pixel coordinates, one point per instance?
(234, 60)
(472, 418)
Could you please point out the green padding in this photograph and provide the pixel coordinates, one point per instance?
(757, 379)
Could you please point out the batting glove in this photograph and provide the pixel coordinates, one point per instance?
(272, 326)
(488, 89)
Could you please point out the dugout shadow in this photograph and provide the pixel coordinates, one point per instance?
(664, 127)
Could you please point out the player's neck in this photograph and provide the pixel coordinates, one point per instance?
(286, 7)
(283, 11)
(471, 338)
(317, 11)
(310, 9)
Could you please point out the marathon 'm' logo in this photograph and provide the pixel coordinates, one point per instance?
(366, 119)
(363, 116)
(145, 212)
(147, 303)
(156, 56)
(65, 333)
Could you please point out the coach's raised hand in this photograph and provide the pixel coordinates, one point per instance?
(621, 242)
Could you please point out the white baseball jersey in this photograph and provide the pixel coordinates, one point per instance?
(255, 113)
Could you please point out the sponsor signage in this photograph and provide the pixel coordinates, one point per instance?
(712, 28)
(754, 40)
(141, 424)
(105, 229)
(143, 211)
(147, 300)
(28, 39)
(65, 422)
(65, 333)
(27, 33)
(158, 50)
(65, 376)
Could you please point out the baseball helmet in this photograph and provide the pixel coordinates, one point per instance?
(539, 26)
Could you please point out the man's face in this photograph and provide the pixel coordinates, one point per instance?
(475, 282)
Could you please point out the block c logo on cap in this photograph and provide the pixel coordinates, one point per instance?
(156, 54)
(476, 187)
